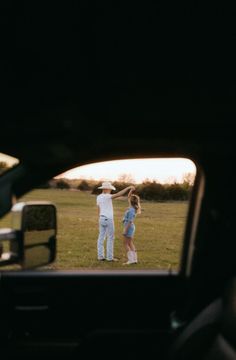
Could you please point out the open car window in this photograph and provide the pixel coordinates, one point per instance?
(96, 232)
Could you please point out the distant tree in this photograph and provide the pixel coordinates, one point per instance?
(177, 192)
(151, 190)
(171, 180)
(95, 190)
(126, 178)
(84, 186)
(62, 184)
(189, 178)
(147, 181)
(120, 185)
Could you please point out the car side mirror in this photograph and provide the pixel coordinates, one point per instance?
(32, 238)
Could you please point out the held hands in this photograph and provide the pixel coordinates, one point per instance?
(132, 189)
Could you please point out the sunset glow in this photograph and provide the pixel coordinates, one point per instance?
(138, 170)
(9, 160)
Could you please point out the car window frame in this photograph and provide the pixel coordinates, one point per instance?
(189, 233)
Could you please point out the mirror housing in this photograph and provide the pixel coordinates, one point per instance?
(32, 237)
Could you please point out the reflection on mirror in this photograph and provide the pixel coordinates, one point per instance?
(8, 256)
(124, 214)
(37, 256)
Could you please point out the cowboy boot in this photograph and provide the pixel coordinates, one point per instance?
(130, 258)
(135, 257)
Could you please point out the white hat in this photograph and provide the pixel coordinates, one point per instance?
(107, 185)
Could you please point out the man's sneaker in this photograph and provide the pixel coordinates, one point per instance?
(101, 259)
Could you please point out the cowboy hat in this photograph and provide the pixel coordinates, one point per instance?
(107, 185)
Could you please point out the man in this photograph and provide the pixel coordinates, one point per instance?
(106, 222)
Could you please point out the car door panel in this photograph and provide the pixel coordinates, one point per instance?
(83, 310)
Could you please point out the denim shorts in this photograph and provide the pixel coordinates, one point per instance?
(131, 230)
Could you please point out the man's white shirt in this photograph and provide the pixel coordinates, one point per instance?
(104, 201)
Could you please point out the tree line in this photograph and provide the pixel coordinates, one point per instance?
(147, 190)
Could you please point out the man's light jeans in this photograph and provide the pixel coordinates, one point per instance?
(106, 230)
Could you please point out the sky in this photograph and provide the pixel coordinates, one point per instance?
(161, 170)
(8, 159)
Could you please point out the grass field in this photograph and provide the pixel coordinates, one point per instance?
(158, 237)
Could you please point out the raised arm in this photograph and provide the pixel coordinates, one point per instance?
(122, 192)
(130, 193)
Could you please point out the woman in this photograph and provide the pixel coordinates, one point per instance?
(129, 227)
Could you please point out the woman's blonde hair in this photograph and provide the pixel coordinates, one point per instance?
(135, 202)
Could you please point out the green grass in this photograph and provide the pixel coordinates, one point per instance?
(158, 236)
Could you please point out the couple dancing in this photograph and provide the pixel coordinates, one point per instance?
(106, 222)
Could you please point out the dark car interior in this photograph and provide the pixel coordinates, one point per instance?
(85, 82)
